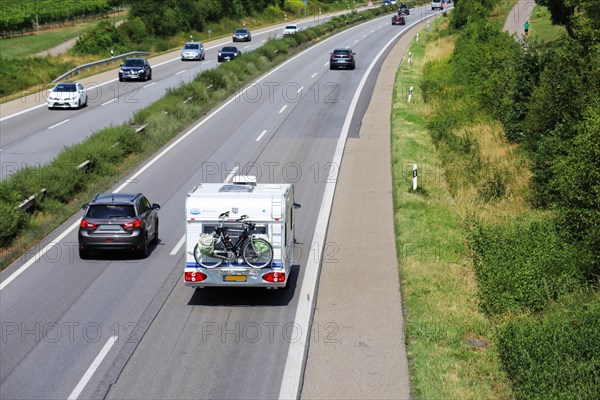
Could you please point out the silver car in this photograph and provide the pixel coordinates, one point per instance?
(192, 51)
(67, 95)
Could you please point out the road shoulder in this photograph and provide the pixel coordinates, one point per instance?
(357, 347)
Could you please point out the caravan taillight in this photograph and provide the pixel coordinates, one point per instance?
(194, 276)
(274, 277)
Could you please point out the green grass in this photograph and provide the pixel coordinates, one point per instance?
(541, 26)
(30, 45)
(438, 282)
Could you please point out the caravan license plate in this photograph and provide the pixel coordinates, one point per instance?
(234, 278)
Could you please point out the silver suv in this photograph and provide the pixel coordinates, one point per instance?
(436, 4)
(192, 51)
(118, 221)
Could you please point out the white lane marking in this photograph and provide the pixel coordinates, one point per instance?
(95, 364)
(207, 61)
(261, 135)
(143, 169)
(313, 75)
(177, 246)
(148, 85)
(326, 64)
(302, 87)
(108, 102)
(372, 30)
(231, 174)
(180, 72)
(38, 256)
(60, 123)
(282, 109)
(356, 41)
(294, 364)
(264, 40)
(245, 47)
(364, 36)
(23, 112)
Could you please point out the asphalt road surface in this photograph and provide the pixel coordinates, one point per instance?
(118, 327)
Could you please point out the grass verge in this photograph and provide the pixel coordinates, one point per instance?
(451, 344)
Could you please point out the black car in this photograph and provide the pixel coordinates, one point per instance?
(118, 221)
(228, 53)
(398, 20)
(241, 35)
(342, 58)
(135, 68)
(403, 9)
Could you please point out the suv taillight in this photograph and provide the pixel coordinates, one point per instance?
(87, 225)
(133, 224)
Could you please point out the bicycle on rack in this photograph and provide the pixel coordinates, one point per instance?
(214, 249)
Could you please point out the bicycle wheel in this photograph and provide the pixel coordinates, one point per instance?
(207, 261)
(257, 253)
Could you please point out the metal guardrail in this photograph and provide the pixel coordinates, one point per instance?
(99, 62)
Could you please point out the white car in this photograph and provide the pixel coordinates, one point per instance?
(290, 29)
(67, 95)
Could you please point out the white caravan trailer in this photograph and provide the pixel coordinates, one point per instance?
(269, 206)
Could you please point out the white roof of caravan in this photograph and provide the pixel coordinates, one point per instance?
(240, 190)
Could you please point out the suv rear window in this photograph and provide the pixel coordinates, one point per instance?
(105, 211)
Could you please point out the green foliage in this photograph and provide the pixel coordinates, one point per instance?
(20, 73)
(17, 15)
(135, 29)
(467, 11)
(524, 265)
(103, 38)
(555, 355)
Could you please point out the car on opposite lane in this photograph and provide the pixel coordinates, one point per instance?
(290, 29)
(192, 51)
(228, 53)
(67, 95)
(342, 58)
(135, 68)
(403, 9)
(114, 221)
(241, 35)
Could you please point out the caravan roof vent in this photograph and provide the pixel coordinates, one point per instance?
(237, 188)
(244, 180)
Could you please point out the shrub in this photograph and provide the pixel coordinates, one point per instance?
(555, 355)
(524, 265)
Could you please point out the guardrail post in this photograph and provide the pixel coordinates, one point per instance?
(84, 166)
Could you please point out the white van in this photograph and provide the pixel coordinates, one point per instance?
(435, 4)
(270, 209)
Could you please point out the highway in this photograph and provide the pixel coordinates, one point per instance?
(118, 327)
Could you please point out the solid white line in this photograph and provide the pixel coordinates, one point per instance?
(282, 109)
(23, 112)
(245, 47)
(180, 72)
(177, 246)
(326, 64)
(60, 123)
(294, 365)
(231, 174)
(143, 169)
(315, 74)
(148, 85)
(108, 102)
(264, 40)
(207, 61)
(261, 135)
(95, 364)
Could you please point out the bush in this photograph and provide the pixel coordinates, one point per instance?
(555, 355)
(12, 219)
(524, 265)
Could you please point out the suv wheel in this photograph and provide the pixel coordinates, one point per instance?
(84, 254)
(155, 238)
(143, 251)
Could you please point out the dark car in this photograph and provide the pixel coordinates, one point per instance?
(118, 221)
(403, 9)
(386, 3)
(344, 58)
(228, 53)
(398, 20)
(241, 35)
(135, 68)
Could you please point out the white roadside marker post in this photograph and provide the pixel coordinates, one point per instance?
(414, 177)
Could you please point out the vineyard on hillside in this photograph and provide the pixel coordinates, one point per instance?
(20, 16)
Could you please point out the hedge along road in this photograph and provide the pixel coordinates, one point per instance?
(143, 332)
(33, 136)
